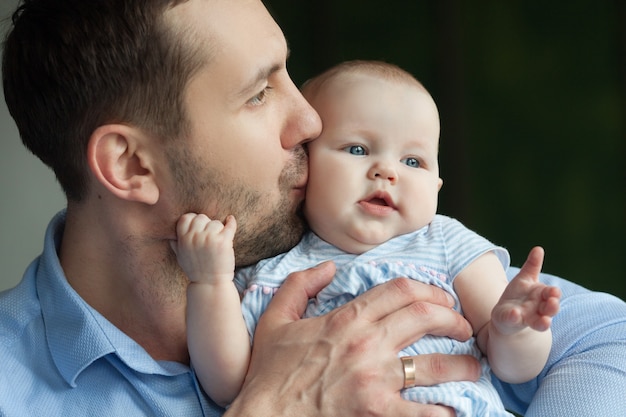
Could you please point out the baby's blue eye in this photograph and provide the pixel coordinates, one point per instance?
(356, 150)
(411, 162)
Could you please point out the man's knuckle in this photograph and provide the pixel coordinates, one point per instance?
(439, 366)
(297, 276)
(373, 404)
(345, 315)
(420, 309)
(402, 285)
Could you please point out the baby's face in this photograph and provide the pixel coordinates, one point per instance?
(373, 171)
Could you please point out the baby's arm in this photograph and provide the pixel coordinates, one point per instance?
(218, 339)
(511, 322)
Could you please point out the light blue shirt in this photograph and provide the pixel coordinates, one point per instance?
(58, 357)
(586, 372)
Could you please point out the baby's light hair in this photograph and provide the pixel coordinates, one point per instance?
(380, 69)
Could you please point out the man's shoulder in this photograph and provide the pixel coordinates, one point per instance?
(19, 311)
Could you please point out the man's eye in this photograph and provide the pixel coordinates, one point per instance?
(260, 98)
(356, 150)
(411, 162)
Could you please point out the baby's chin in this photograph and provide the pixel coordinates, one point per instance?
(358, 243)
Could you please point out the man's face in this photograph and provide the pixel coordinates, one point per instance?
(248, 122)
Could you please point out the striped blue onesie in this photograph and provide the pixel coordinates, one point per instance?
(435, 254)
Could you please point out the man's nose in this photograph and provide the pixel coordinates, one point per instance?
(303, 122)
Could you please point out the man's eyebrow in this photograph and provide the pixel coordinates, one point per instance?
(263, 74)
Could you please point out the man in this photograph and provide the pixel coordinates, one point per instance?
(146, 110)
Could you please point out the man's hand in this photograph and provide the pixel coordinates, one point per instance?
(345, 363)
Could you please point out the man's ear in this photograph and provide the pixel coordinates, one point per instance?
(118, 157)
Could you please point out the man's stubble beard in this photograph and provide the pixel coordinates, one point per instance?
(271, 234)
(261, 232)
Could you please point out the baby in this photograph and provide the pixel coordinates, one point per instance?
(371, 205)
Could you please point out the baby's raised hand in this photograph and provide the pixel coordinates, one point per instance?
(526, 302)
(205, 247)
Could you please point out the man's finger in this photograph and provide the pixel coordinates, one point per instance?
(409, 324)
(291, 299)
(432, 369)
(387, 298)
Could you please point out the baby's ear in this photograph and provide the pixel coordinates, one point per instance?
(120, 161)
(439, 184)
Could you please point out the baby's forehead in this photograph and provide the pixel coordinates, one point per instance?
(354, 82)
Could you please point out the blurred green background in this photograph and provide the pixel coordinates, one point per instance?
(532, 100)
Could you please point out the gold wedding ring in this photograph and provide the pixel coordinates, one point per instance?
(409, 371)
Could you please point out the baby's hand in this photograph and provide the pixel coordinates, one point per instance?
(205, 247)
(526, 302)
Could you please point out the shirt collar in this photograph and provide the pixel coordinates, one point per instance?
(73, 335)
(77, 334)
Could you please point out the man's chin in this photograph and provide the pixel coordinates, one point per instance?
(276, 238)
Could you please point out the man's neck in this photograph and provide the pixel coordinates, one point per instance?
(129, 280)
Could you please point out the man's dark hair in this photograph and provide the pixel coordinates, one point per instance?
(70, 66)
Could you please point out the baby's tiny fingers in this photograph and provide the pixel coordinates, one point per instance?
(550, 307)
